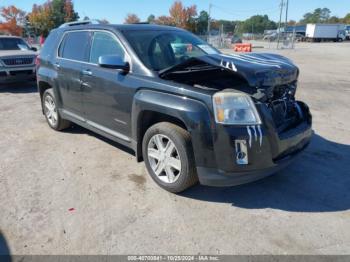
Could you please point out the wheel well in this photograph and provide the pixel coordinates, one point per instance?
(148, 119)
(42, 87)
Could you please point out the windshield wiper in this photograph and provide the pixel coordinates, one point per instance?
(183, 69)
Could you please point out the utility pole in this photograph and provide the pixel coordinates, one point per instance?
(287, 6)
(286, 24)
(279, 24)
(209, 19)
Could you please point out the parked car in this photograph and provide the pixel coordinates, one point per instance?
(298, 37)
(220, 119)
(236, 40)
(270, 37)
(17, 60)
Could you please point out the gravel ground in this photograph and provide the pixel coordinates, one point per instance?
(75, 192)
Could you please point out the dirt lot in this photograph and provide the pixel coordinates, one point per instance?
(119, 210)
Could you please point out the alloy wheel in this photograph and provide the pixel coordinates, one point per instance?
(50, 110)
(164, 158)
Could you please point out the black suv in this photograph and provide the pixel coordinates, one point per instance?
(190, 112)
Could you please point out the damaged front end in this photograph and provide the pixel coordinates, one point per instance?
(267, 78)
(259, 123)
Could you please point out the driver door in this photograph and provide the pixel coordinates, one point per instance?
(107, 93)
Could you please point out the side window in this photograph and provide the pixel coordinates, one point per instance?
(50, 44)
(75, 46)
(104, 44)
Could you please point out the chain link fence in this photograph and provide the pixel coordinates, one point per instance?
(226, 41)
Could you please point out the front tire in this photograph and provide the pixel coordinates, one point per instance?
(51, 113)
(168, 155)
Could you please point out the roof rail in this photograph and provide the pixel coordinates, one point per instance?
(83, 22)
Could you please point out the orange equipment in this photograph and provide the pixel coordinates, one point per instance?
(244, 47)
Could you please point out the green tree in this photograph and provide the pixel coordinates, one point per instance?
(202, 22)
(319, 15)
(346, 19)
(257, 24)
(51, 14)
(151, 19)
(40, 19)
(228, 26)
(334, 20)
(62, 11)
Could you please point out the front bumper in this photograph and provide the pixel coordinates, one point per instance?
(267, 150)
(17, 74)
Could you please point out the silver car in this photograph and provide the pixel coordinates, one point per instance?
(17, 60)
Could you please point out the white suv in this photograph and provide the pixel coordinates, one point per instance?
(17, 60)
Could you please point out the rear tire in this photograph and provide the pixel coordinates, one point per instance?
(51, 113)
(168, 155)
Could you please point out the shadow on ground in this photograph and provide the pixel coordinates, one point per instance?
(319, 181)
(4, 249)
(76, 129)
(19, 88)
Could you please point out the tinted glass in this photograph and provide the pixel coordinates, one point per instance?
(160, 49)
(75, 46)
(104, 44)
(13, 44)
(49, 44)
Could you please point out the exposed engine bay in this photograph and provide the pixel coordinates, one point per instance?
(285, 110)
(268, 79)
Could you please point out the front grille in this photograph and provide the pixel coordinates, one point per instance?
(18, 61)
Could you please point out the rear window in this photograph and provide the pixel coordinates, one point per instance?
(75, 46)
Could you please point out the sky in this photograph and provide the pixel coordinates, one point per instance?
(116, 10)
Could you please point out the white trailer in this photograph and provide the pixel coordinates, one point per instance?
(325, 32)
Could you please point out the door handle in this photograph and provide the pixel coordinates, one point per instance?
(57, 65)
(87, 72)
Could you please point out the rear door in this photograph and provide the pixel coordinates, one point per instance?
(107, 92)
(72, 54)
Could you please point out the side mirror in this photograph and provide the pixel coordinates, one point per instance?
(34, 49)
(113, 62)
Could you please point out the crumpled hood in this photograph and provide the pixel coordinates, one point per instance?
(258, 69)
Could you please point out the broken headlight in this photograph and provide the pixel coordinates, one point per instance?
(235, 109)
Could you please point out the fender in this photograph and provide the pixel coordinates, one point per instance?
(193, 113)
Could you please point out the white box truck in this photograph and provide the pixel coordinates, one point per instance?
(325, 32)
(347, 32)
